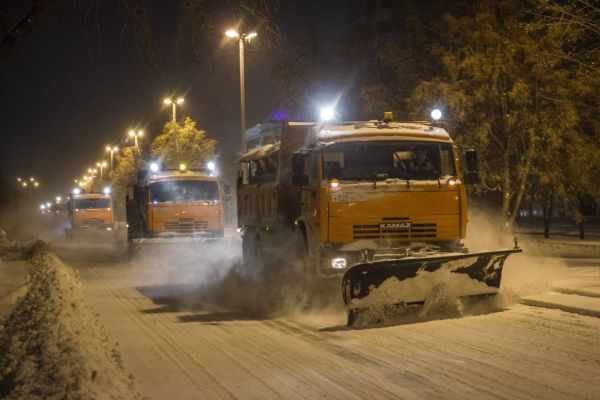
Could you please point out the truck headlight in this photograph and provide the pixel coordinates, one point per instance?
(338, 263)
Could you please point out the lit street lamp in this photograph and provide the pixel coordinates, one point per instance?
(136, 135)
(101, 165)
(241, 38)
(174, 103)
(112, 150)
(31, 184)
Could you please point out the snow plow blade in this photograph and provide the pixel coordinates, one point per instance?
(409, 280)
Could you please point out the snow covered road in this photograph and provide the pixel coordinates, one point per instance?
(178, 348)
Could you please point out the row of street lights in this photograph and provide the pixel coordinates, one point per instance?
(113, 149)
(30, 184)
(242, 38)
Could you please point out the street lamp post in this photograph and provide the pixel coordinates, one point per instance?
(101, 165)
(242, 37)
(112, 150)
(174, 103)
(30, 185)
(136, 135)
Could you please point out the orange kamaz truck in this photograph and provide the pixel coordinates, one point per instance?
(91, 215)
(380, 204)
(175, 206)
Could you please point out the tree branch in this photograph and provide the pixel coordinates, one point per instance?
(26, 24)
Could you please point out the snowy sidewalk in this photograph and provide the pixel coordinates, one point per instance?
(573, 303)
(579, 294)
(560, 246)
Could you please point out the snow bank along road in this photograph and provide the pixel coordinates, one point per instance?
(177, 348)
(51, 343)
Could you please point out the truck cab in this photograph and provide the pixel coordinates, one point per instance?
(175, 203)
(92, 211)
(356, 188)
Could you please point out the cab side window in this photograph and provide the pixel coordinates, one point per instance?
(264, 169)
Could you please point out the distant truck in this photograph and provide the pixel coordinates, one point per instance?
(90, 214)
(369, 200)
(175, 206)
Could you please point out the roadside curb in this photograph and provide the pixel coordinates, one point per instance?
(573, 303)
(561, 248)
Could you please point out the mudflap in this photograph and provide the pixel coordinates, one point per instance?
(371, 283)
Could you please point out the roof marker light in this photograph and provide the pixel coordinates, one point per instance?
(154, 167)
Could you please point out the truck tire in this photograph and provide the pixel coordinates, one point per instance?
(252, 255)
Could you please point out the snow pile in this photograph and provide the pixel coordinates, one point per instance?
(52, 344)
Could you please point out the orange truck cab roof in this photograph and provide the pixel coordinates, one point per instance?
(374, 130)
(182, 176)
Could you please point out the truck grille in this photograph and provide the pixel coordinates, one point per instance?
(395, 228)
(186, 225)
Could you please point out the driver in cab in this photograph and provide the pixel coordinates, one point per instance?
(420, 164)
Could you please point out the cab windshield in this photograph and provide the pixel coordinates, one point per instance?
(88, 204)
(180, 191)
(357, 161)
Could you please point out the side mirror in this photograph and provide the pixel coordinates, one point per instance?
(471, 176)
(298, 163)
(472, 162)
(299, 178)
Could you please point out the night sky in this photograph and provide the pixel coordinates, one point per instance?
(67, 93)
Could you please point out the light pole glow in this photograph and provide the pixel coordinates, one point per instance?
(101, 165)
(112, 150)
(241, 38)
(135, 135)
(174, 103)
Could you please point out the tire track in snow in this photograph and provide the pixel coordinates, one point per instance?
(167, 326)
(515, 354)
(498, 379)
(556, 341)
(386, 355)
(124, 300)
(264, 339)
(478, 344)
(360, 360)
(231, 369)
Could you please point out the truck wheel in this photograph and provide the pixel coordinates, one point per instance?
(251, 252)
